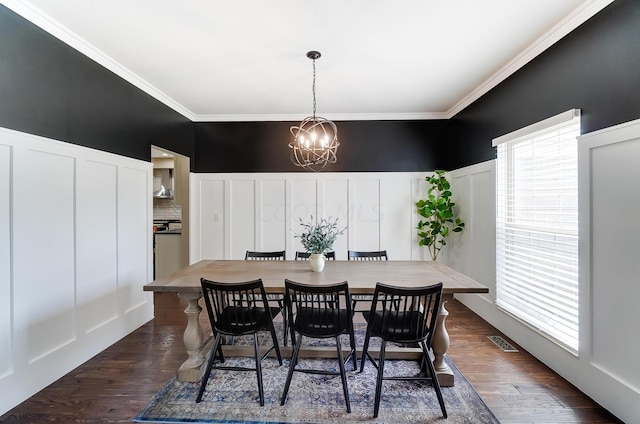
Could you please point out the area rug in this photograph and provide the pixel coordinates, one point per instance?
(232, 397)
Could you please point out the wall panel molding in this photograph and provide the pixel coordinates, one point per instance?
(7, 356)
(78, 251)
(377, 208)
(609, 267)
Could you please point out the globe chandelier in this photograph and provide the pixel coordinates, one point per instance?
(315, 140)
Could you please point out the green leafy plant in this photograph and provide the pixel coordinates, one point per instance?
(439, 217)
(319, 237)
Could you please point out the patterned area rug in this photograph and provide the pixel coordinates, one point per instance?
(232, 397)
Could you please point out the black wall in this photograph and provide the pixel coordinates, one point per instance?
(49, 89)
(596, 68)
(52, 90)
(382, 146)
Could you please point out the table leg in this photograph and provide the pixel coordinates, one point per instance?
(193, 339)
(440, 346)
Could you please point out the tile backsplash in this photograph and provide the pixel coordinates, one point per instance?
(166, 209)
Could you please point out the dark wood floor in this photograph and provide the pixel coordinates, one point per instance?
(116, 384)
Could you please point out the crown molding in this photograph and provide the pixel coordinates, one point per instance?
(53, 27)
(559, 31)
(332, 117)
(64, 34)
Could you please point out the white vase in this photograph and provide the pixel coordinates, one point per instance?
(316, 260)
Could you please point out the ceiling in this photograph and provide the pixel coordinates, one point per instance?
(160, 153)
(245, 60)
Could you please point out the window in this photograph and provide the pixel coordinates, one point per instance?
(537, 226)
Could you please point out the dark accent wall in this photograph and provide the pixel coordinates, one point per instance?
(595, 68)
(365, 146)
(49, 89)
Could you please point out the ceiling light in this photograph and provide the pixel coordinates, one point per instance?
(315, 140)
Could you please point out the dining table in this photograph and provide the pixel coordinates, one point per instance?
(361, 276)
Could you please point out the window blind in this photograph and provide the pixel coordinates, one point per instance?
(537, 226)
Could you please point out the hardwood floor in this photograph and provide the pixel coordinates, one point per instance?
(518, 388)
(116, 384)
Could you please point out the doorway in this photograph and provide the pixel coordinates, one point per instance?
(170, 211)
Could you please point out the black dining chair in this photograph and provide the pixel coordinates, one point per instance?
(279, 255)
(405, 316)
(238, 309)
(357, 255)
(320, 312)
(300, 256)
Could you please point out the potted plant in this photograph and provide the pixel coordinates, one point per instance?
(439, 216)
(318, 238)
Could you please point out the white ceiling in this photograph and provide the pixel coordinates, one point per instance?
(214, 60)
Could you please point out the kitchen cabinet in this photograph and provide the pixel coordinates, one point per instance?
(168, 252)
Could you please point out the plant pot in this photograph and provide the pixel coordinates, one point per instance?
(316, 260)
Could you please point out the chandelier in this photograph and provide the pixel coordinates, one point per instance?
(315, 140)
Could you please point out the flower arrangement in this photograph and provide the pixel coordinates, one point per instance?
(319, 237)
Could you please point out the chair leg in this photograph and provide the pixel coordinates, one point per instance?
(285, 328)
(292, 331)
(285, 323)
(292, 366)
(256, 350)
(220, 352)
(215, 334)
(352, 342)
(293, 337)
(343, 374)
(376, 405)
(434, 378)
(205, 377)
(274, 338)
(365, 348)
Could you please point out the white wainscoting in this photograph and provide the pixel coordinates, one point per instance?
(233, 213)
(609, 176)
(75, 251)
(474, 252)
(609, 182)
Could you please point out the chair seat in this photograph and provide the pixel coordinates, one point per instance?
(326, 323)
(401, 327)
(238, 320)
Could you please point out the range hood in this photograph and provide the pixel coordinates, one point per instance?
(166, 183)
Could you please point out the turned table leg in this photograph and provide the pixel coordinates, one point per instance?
(440, 346)
(193, 339)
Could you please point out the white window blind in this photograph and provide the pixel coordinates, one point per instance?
(537, 226)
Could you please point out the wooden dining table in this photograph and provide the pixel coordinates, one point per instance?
(362, 277)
